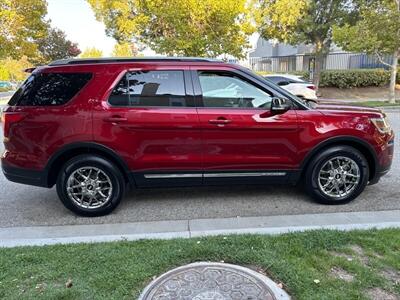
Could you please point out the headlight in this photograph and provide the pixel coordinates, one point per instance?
(381, 124)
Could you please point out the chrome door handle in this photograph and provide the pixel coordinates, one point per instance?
(115, 119)
(219, 121)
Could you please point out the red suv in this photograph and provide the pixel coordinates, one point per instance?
(94, 127)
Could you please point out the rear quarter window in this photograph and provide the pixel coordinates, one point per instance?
(49, 89)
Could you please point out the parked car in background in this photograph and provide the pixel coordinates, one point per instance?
(8, 85)
(295, 85)
(93, 127)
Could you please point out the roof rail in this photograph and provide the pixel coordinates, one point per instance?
(80, 61)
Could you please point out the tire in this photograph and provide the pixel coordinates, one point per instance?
(319, 183)
(103, 192)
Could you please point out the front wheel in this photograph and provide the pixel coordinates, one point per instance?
(90, 185)
(337, 175)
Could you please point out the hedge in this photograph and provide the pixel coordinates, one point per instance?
(351, 78)
(354, 78)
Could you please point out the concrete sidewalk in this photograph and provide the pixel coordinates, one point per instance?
(48, 235)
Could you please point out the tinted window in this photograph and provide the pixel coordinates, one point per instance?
(43, 89)
(228, 90)
(150, 88)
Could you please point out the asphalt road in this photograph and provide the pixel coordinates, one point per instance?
(22, 205)
(6, 94)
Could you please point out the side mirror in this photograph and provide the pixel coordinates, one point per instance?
(280, 105)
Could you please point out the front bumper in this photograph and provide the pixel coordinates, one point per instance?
(385, 162)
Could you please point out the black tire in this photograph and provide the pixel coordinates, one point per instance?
(115, 177)
(312, 174)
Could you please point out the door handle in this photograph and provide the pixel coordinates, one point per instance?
(219, 121)
(115, 119)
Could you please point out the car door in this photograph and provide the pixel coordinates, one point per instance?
(149, 119)
(242, 139)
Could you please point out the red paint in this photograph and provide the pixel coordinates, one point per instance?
(169, 138)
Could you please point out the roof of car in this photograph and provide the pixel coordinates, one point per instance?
(290, 76)
(80, 61)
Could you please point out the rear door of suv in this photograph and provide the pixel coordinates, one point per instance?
(48, 111)
(241, 138)
(149, 118)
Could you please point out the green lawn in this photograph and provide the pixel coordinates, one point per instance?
(303, 262)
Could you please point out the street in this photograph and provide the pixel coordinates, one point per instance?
(6, 94)
(23, 205)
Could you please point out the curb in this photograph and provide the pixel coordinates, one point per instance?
(51, 235)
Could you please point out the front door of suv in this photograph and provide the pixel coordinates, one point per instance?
(149, 118)
(242, 139)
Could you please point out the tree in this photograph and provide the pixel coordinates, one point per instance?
(13, 70)
(91, 53)
(377, 31)
(303, 21)
(124, 50)
(56, 46)
(178, 27)
(22, 23)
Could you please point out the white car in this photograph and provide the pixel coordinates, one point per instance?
(295, 85)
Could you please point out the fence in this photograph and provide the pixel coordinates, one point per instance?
(304, 62)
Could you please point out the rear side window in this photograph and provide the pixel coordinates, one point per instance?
(150, 88)
(49, 89)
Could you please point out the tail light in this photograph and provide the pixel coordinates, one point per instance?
(311, 87)
(10, 118)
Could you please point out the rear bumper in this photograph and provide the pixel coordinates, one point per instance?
(24, 176)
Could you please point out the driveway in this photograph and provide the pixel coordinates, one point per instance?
(22, 205)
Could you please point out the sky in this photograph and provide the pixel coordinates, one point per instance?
(77, 20)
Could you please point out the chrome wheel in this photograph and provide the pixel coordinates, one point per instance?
(339, 177)
(89, 187)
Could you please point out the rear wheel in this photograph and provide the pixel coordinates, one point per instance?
(90, 185)
(337, 175)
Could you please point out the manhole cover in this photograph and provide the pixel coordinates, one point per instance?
(212, 281)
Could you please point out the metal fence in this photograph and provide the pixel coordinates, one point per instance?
(304, 62)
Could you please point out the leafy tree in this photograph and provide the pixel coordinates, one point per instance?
(179, 27)
(56, 46)
(91, 53)
(22, 23)
(376, 32)
(13, 70)
(303, 21)
(4, 74)
(124, 50)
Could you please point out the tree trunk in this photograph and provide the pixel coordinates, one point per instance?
(319, 60)
(392, 92)
(321, 50)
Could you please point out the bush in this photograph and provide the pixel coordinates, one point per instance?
(344, 79)
(263, 73)
(354, 78)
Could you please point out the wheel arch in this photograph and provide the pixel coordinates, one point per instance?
(67, 152)
(365, 148)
